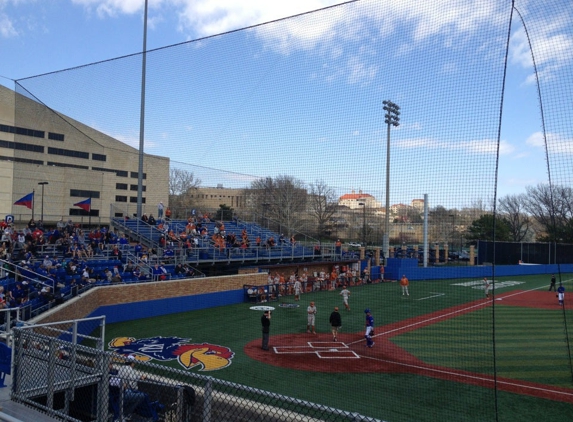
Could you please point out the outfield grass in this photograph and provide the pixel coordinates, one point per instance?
(529, 346)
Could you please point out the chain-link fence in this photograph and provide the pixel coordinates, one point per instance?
(71, 381)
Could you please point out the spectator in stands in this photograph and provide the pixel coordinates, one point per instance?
(108, 275)
(128, 267)
(87, 276)
(116, 253)
(61, 224)
(32, 224)
(151, 220)
(179, 270)
(116, 276)
(144, 218)
(168, 213)
(89, 251)
(123, 242)
(160, 209)
(317, 249)
(338, 247)
(46, 294)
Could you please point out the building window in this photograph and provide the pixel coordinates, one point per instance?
(134, 188)
(121, 186)
(119, 173)
(21, 146)
(135, 175)
(21, 160)
(55, 136)
(22, 131)
(75, 166)
(80, 212)
(120, 198)
(78, 193)
(99, 157)
(68, 153)
(133, 200)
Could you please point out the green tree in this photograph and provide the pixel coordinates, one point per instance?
(483, 229)
(224, 212)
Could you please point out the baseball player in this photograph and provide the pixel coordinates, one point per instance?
(345, 293)
(404, 283)
(486, 287)
(369, 328)
(561, 295)
(297, 288)
(311, 317)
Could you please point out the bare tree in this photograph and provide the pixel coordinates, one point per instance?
(513, 209)
(552, 207)
(282, 200)
(322, 204)
(180, 181)
(181, 184)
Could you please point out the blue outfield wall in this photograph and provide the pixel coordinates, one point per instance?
(397, 267)
(159, 307)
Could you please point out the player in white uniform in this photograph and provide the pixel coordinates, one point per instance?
(297, 289)
(345, 293)
(486, 286)
(311, 318)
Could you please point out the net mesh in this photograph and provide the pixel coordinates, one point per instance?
(485, 123)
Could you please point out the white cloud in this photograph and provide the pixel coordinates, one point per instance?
(481, 146)
(552, 46)
(555, 142)
(7, 29)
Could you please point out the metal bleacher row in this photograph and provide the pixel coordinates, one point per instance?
(206, 251)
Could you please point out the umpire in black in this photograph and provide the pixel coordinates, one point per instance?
(266, 323)
(552, 285)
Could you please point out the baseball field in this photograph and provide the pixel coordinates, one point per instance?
(443, 353)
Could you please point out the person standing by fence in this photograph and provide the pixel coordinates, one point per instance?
(266, 324)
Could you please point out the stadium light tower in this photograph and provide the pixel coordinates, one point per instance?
(391, 119)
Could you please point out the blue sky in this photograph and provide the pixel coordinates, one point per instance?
(306, 92)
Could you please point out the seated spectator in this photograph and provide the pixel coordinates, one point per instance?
(179, 270)
(151, 220)
(87, 276)
(116, 276)
(129, 267)
(46, 294)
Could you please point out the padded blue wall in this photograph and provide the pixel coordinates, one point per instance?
(137, 310)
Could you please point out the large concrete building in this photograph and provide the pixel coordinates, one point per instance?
(39, 145)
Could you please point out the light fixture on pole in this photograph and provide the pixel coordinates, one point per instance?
(391, 119)
(363, 204)
(42, 201)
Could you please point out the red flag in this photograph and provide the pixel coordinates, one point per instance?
(27, 201)
(85, 205)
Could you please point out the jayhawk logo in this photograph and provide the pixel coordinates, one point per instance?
(205, 356)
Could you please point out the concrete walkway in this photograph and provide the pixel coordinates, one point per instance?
(17, 411)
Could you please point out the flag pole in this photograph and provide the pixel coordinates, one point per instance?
(33, 202)
(90, 213)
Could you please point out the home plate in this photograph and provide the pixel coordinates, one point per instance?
(499, 299)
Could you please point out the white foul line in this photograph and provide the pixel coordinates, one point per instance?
(435, 294)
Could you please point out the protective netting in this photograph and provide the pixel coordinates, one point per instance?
(485, 130)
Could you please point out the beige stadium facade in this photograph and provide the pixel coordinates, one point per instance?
(77, 162)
